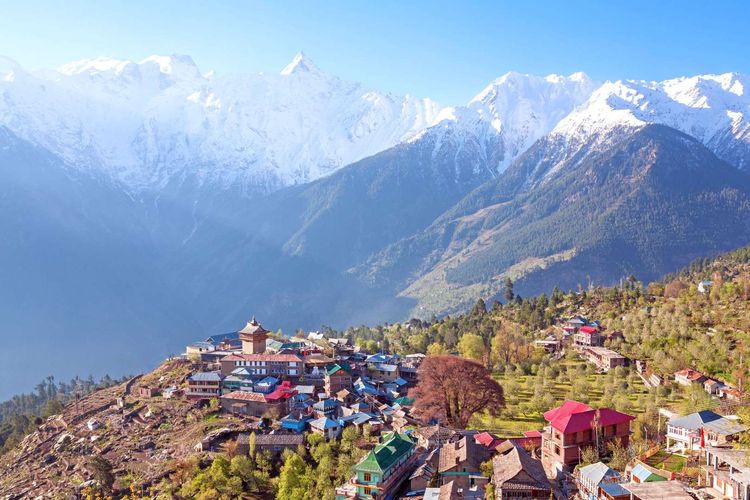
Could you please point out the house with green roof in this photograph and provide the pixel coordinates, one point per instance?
(382, 471)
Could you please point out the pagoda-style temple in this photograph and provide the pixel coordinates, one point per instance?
(253, 338)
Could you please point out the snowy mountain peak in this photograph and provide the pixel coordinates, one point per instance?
(176, 66)
(518, 85)
(157, 121)
(300, 64)
(9, 69)
(95, 65)
(715, 109)
(173, 65)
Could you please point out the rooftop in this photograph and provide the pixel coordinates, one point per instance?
(644, 474)
(223, 337)
(690, 374)
(274, 439)
(573, 416)
(658, 491)
(338, 367)
(264, 357)
(507, 466)
(253, 328)
(708, 420)
(595, 473)
(466, 451)
(205, 377)
(245, 396)
(324, 423)
(387, 453)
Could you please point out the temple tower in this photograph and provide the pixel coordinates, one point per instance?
(253, 338)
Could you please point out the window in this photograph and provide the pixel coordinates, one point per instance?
(367, 477)
(366, 490)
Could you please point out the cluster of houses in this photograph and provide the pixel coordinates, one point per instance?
(715, 387)
(713, 440)
(319, 385)
(295, 384)
(434, 462)
(587, 338)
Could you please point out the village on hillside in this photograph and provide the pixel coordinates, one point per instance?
(253, 392)
(285, 389)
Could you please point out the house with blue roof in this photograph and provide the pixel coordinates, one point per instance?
(328, 427)
(613, 491)
(363, 387)
(700, 429)
(229, 340)
(378, 358)
(266, 385)
(326, 408)
(591, 477)
(300, 402)
(295, 423)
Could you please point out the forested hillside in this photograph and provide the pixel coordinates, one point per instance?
(668, 322)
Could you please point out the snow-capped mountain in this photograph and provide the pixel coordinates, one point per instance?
(508, 116)
(146, 123)
(715, 109)
(161, 121)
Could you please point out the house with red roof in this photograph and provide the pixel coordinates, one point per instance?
(255, 404)
(688, 376)
(587, 336)
(489, 441)
(574, 426)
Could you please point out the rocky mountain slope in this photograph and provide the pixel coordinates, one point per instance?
(645, 201)
(145, 439)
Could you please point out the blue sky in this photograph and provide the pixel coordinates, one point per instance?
(445, 50)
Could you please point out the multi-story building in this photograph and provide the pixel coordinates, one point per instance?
(604, 359)
(337, 377)
(204, 385)
(587, 336)
(704, 428)
(382, 471)
(575, 426)
(727, 472)
(262, 365)
(383, 372)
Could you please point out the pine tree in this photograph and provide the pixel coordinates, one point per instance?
(508, 291)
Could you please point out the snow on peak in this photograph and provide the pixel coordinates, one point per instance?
(300, 64)
(95, 65)
(145, 123)
(9, 69)
(172, 64)
(522, 108)
(715, 109)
